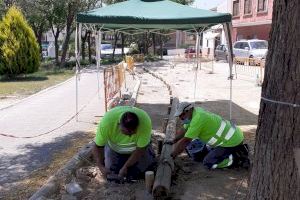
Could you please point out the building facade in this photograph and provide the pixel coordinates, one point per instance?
(215, 35)
(251, 19)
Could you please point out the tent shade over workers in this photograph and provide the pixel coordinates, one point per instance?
(159, 14)
(151, 16)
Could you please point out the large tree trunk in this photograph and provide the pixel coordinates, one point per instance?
(275, 173)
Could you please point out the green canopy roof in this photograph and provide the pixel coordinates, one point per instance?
(152, 14)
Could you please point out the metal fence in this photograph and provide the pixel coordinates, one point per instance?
(251, 67)
(114, 78)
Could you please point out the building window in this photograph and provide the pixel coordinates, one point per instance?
(262, 5)
(236, 8)
(248, 7)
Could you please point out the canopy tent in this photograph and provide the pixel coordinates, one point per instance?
(138, 16)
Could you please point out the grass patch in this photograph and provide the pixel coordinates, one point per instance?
(24, 189)
(32, 83)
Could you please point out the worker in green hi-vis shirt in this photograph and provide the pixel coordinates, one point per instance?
(122, 144)
(209, 138)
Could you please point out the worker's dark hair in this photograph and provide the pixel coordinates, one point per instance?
(129, 120)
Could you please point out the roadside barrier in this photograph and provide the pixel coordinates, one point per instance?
(251, 67)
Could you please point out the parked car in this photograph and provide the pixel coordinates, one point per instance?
(190, 49)
(250, 48)
(221, 52)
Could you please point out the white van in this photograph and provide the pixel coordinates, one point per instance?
(250, 48)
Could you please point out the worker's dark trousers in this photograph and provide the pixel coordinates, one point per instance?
(210, 156)
(217, 155)
(115, 161)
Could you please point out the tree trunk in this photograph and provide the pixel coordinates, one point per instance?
(89, 47)
(161, 47)
(122, 41)
(65, 48)
(115, 45)
(83, 40)
(69, 30)
(154, 43)
(275, 174)
(38, 31)
(56, 46)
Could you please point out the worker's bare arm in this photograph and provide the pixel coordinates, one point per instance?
(98, 154)
(180, 146)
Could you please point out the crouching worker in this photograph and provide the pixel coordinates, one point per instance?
(122, 144)
(209, 138)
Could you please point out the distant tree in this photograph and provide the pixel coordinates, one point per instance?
(184, 2)
(72, 8)
(35, 12)
(19, 50)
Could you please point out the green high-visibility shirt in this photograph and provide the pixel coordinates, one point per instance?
(213, 130)
(109, 132)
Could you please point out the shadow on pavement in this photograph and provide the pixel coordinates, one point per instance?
(240, 116)
(15, 168)
(157, 113)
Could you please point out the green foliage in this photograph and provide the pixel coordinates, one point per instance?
(151, 58)
(19, 50)
(184, 2)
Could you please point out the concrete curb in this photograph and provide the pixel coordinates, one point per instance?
(84, 156)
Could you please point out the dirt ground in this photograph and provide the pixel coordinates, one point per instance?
(191, 180)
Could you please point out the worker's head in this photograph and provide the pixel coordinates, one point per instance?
(129, 123)
(185, 111)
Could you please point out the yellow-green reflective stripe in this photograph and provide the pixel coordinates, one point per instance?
(230, 133)
(212, 141)
(122, 148)
(230, 160)
(221, 129)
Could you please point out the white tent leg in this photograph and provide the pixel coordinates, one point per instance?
(98, 57)
(197, 60)
(77, 68)
(227, 28)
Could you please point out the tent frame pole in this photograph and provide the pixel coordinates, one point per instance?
(228, 27)
(98, 57)
(77, 57)
(197, 59)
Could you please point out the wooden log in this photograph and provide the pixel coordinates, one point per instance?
(162, 183)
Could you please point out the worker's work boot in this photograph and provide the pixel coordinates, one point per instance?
(241, 158)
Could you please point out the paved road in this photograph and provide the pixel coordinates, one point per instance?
(41, 113)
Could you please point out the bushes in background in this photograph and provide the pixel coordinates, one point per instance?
(19, 50)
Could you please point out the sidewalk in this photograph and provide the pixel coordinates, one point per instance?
(42, 113)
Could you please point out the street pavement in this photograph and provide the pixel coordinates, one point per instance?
(48, 120)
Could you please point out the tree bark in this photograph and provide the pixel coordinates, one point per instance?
(115, 44)
(89, 46)
(56, 46)
(161, 46)
(275, 173)
(69, 30)
(83, 40)
(122, 41)
(154, 43)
